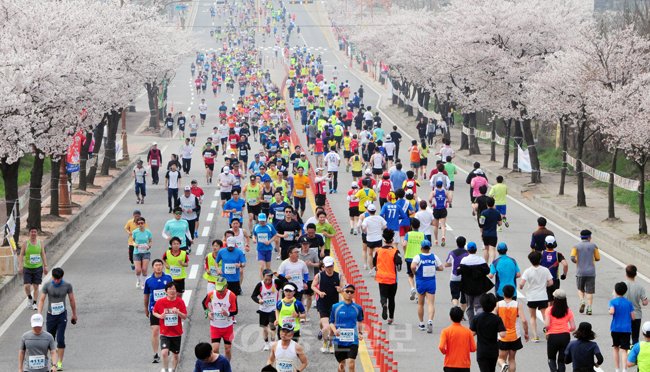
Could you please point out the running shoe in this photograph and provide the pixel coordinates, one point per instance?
(536, 340)
(137, 201)
(156, 359)
(588, 311)
(412, 294)
(365, 267)
(435, 242)
(34, 306)
(267, 346)
(390, 321)
(449, 205)
(384, 312)
(137, 284)
(504, 368)
(355, 232)
(499, 229)
(324, 348)
(132, 266)
(59, 366)
(443, 242)
(331, 349)
(351, 230)
(320, 335)
(430, 327)
(505, 222)
(196, 234)
(422, 327)
(582, 307)
(29, 304)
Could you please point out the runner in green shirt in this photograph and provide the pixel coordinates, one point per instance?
(451, 171)
(499, 192)
(326, 230)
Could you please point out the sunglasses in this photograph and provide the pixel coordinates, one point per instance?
(140, 223)
(178, 213)
(349, 292)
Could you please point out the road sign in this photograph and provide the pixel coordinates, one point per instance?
(183, 7)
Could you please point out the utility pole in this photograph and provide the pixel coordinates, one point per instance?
(125, 145)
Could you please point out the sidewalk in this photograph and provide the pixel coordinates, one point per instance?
(619, 238)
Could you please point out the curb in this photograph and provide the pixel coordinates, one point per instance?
(12, 282)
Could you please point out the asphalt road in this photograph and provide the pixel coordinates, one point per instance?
(113, 333)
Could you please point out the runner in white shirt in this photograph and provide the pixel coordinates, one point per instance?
(373, 226)
(139, 173)
(426, 220)
(224, 131)
(203, 111)
(295, 271)
(389, 146)
(194, 128)
(332, 161)
(186, 152)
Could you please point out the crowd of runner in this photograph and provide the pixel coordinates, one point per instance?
(264, 195)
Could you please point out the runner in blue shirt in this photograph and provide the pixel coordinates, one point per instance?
(265, 235)
(208, 360)
(346, 323)
(234, 206)
(154, 289)
(425, 266)
(392, 213)
(233, 262)
(179, 228)
(506, 271)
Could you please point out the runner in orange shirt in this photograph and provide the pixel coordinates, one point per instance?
(456, 343)
(301, 184)
(416, 155)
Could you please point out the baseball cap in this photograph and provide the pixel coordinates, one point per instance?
(267, 272)
(550, 239)
(195, 181)
(304, 240)
(154, 144)
(372, 208)
(438, 183)
(137, 211)
(559, 294)
(386, 175)
(226, 169)
(257, 155)
(287, 327)
(355, 185)
(233, 153)
(368, 171)
(409, 192)
(37, 320)
(350, 286)
(646, 327)
(410, 184)
(220, 283)
(328, 261)
(502, 247)
(302, 153)
(320, 169)
(425, 243)
(231, 242)
(187, 188)
(471, 246)
(261, 217)
(140, 162)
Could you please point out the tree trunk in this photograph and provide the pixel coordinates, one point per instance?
(464, 138)
(99, 137)
(109, 152)
(506, 147)
(564, 137)
(83, 161)
(410, 94)
(426, 99)
(643, 226)
(518, 138)
(152, 92)
(536, 172)
(473, 141)
(10, 178)
(54, 185)
(582, 198)
(493, 143)
(35, 184)
(610, 189)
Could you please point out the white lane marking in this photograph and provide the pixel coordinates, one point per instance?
(189, 108)
(216, 193)
(186, 297)
(62, 261)
(205, 232)
(214, 204)
(210, 217)
(199, 250)
(193, 271)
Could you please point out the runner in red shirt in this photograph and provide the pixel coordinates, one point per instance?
(233, 139)
(197, 84)
(171, 311)
(385, 187)
(215, 85)
(353, 206)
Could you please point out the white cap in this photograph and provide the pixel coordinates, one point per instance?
(187, 188)
(409, 192)
(550, 239)
(231, 241)
(368, 171)
(226, 169)
(355, 185)
(646, 327)
(154, 144)
(372, 208)
(37, 320)
(328, 261)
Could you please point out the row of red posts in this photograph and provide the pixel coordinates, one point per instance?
(381, 354)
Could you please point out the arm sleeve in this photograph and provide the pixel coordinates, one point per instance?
(600, 359)
(233, 304)
(256, 292)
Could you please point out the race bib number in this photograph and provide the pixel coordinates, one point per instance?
(218, 316)
(237, 215)
(37, 362)
(139, 179)
(154, 162)
(481, 220)
(300, 193)
(428, 271)
(279, 215)
(57, 308)
(347, 335)
(158, 294)
(34, 259)
(252, 201)
(269, 302)
(240, 245)
(243, 152)
(171, 320)
(289, 320)
(267, 198)
(143, 248)
(297, 280)
(213, 272)
(175, 271)
(291, 235)
(285, 365)
(229, 269)
(262, 237)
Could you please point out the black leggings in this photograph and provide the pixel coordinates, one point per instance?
(387, 294)
(555, 351)
(486, 364)
(334, 183)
